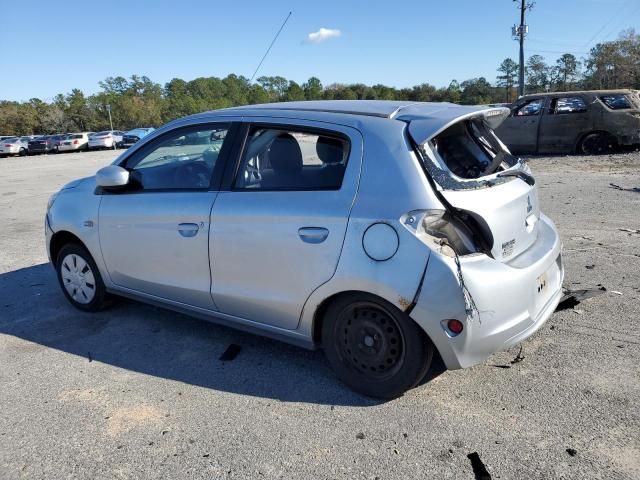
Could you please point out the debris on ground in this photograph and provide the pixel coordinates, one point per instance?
(572, 451)
(629, 230)
(360, 436)
(519, 357)
(479, 469)
(616, 292)
(629, 189)
(574, 297)
(230, 353)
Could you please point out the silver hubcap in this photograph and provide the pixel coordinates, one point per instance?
(78, 278)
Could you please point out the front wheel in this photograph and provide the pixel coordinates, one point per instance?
(373, 347)
(80, 278)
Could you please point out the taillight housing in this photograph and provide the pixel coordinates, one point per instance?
(441, 232)
(75, 142)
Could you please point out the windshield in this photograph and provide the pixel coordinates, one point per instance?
(139, 132)
(465, 154)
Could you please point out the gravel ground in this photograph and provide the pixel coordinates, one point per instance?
(138, 392)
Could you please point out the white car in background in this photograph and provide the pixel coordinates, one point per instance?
(74, 142)
(14, 146)
(105, 139)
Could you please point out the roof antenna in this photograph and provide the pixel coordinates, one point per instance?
(268, 49)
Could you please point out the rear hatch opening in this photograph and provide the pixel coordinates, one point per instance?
(490, 195)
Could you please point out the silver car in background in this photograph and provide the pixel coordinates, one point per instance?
(379, 231)
(14, 146)
(105, 139)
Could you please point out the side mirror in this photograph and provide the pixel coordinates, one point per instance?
(112, 176)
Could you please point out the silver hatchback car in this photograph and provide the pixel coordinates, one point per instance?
(380, 231)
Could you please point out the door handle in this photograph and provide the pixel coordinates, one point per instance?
(188, 229)
(313, 234)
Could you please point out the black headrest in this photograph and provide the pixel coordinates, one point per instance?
(329, 150)
(285, 154)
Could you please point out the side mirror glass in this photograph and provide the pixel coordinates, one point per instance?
(112, 176)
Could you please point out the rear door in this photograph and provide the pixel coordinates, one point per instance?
(278, 231)
(476, 175)
(520, 130)
(564, 120)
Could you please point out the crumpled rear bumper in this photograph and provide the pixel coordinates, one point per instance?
(513, 300)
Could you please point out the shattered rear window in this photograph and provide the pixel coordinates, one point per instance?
(466, 156)
(616, 102)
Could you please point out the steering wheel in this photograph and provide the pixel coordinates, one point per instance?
(193, 175)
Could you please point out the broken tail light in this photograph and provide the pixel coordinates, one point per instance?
(441, 232)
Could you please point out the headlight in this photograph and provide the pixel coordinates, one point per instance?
(52, 199)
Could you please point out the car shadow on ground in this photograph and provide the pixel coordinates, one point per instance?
(169, 345)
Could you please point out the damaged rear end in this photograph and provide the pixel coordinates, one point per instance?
(495, 273)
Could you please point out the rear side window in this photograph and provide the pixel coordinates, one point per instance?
(616, 102)
(564, 105)
(282, 159)
(534, 107)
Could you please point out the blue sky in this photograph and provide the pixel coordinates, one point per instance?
(51, 49)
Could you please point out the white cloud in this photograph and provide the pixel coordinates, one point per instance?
(322, 35)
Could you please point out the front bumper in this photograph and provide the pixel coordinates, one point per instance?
(513, 300)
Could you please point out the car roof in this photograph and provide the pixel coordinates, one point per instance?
(426, 118)
(622, 91)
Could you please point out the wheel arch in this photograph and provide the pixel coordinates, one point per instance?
(59, 240)
(319, 314)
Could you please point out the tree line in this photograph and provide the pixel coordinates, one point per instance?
(138, 101)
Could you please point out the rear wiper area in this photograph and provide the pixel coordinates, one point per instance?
(521, 174)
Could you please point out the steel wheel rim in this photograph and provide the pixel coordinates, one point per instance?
(78, 279)
(369, 340)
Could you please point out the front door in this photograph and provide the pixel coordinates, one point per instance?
(520, 130)
(278, 232)
(154, 235)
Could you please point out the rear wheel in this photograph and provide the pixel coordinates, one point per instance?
(596, 143)
(80, 278)
(22, 152)
(373, 347)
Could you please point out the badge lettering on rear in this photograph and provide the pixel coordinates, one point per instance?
(507, 248)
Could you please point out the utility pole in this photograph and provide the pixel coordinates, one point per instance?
(519, 33)
(111, 124)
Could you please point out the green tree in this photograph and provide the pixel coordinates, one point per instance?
(476, 91)
(537, 74)
(508, 72)
(312, 89)
(294, 92)
(566, 72)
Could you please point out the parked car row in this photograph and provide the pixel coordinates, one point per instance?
(70, 142)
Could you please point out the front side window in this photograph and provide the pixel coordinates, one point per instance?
(534, 107)
(184, 159)
(282, 159)
(564, 105)
(616, 102)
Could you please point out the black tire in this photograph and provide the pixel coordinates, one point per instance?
(373, 347)
(596, 143)
(65, 261)
(22, 152)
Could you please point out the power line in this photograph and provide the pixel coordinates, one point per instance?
(268, 49)
(605, 25)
